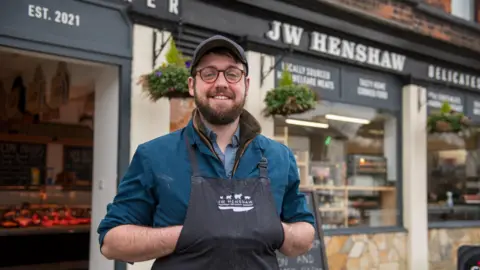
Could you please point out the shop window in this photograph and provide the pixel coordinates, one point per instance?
(47, 109)
(464, 9)
(453, 166)
(348, 155)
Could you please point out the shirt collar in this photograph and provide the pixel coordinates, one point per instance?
(235, 138)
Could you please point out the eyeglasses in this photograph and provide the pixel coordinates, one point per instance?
(210, 74)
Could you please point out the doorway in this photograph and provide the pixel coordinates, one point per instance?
(58, 158)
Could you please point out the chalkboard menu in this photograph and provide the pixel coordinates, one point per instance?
(17, 161)
(79, 159)
(468, 257)
(316, 258)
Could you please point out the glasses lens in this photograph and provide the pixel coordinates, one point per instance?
(233, 75)
(209, 74)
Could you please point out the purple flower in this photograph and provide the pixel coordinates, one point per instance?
(158, 73)
(188, 64)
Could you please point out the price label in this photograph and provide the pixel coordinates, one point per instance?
(56, 16)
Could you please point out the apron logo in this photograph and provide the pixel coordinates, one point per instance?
(235, 202)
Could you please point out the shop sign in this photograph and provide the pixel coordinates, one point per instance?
(82, 25)
(436, 98)
(371, 89)
(473, 107)
(337, 47)
(170, 6)
(455, 77)
(322, 78)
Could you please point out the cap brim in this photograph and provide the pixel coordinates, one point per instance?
(219, 43)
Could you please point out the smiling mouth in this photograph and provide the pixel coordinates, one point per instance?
(220, 97)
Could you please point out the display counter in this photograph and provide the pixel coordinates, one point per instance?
(43, 226)
(442, 212)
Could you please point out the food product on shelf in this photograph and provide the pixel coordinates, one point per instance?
(44, 216)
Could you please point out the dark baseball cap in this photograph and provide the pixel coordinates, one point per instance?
(218, 41)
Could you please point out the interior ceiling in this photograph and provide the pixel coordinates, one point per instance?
(337, 129)
(15, 63)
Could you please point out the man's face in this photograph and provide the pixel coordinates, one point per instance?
(220, 101)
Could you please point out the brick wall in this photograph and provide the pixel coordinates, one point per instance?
(477, 13)
(441, 4)
(406, 15)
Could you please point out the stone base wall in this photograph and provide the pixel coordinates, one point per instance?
(444, 243)
(367, 252)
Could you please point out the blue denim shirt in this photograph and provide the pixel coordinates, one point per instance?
(228, 158)
(155, 190)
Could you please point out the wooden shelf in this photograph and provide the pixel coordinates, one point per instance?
(353, 188)
(331, 209)
(44, 140)
(387, 200)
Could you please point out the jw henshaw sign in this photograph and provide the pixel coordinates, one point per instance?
(335, 46)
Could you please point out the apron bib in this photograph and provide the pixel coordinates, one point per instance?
(229, 225)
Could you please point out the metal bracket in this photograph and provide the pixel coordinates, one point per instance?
(156, 53)
(264, 75)
(421, 98)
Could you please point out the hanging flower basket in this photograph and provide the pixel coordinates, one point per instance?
(289, 98)
(448, 121)
(170, 80)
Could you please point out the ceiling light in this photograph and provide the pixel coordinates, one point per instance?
(306, 123)
(347, 119)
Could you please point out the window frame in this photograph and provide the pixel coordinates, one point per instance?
(448, 223)
(472, 12)
(399, 226)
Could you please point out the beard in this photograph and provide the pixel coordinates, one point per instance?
(219, 117)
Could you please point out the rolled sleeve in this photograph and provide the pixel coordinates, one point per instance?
(134, 203)
(295, 208)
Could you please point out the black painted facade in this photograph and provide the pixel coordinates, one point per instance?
(423, 60)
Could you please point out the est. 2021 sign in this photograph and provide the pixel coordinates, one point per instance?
(80, 25)
(56, 16)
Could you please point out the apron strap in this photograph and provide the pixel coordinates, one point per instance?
(193, 158)
(263, 167)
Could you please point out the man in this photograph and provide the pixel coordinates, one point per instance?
(215, 194)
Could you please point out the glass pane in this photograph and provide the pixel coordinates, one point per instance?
(463, 9)
(453, 166)
(348, 155)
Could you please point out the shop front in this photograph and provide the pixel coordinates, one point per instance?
(64, 128)
(362, 151)
(452, 177)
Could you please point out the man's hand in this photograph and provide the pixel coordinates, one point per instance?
(299, 238)
(130, 243)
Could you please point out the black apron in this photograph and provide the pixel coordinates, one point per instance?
(231, 224)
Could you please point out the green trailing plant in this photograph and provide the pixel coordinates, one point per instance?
(170, 80)
(289, 98)
(447, 121)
